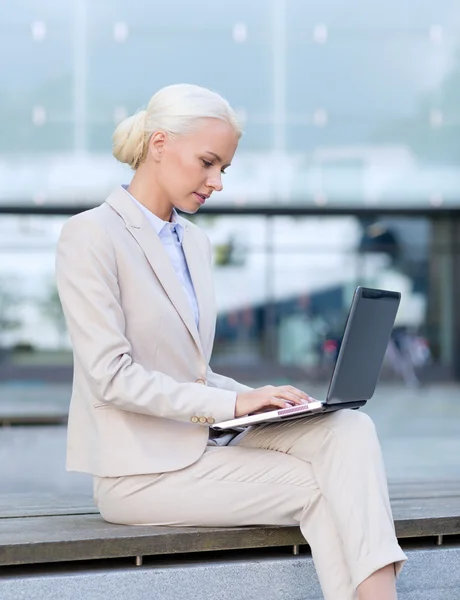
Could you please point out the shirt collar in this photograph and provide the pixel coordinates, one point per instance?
(159, 224)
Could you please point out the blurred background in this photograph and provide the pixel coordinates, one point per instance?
(348, 174)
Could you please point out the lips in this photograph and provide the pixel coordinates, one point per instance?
(201, 197)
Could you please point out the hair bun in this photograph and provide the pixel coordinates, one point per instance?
(128, 139)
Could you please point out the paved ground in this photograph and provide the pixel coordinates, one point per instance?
(419, 431)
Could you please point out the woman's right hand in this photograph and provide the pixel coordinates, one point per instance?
(269, 396)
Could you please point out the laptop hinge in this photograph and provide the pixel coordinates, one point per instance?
(338, 404)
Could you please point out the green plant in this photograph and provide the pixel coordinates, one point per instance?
(10, 300)
(51, 309)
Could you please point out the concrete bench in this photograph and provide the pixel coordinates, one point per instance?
(61, 533)
(33, 405)
(50, 529)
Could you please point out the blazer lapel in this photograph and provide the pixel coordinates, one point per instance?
(200, 273)
(157, 256)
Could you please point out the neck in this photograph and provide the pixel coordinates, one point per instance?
(147, 192)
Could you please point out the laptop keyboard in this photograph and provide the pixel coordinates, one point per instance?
(295, 409)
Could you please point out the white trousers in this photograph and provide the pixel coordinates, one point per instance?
(324, 473)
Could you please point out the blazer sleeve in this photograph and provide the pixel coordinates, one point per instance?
(86, 277)
(226, 383)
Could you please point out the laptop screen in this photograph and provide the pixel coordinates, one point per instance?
(365, 340)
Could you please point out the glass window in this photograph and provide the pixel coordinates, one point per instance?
(132, 53)
(341, 104)
(37, 66)
(372, 103)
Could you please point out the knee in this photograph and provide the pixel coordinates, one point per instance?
(355, 425)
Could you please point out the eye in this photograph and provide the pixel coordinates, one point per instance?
(207, 164)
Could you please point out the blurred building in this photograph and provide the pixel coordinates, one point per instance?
(348, 172)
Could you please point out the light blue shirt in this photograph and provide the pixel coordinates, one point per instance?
(171, 235)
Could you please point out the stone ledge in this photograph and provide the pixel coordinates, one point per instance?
(87, 537)
(428, 575)
(65, 529)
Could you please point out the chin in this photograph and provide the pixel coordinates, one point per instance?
(187, 209)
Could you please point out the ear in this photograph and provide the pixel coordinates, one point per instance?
(156, 144)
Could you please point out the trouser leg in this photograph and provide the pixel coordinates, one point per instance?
(234, 486)
(344, 453)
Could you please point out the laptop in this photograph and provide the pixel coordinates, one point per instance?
(356, 372)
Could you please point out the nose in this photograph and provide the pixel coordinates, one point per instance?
(215, 183)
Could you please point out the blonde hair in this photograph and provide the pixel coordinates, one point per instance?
(175, 109)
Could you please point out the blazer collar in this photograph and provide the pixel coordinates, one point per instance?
(147, 238)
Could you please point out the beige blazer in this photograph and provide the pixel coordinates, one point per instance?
(143, 393)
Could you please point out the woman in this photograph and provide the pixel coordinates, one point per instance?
(135, 283)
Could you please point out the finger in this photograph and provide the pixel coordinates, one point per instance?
(279, 402)
(292, 398)
(292, 393)
(297, 392)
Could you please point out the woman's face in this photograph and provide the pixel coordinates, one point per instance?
(190, 168)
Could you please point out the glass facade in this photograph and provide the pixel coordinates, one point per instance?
(347, 106)
(283, 287)
(343, 104)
